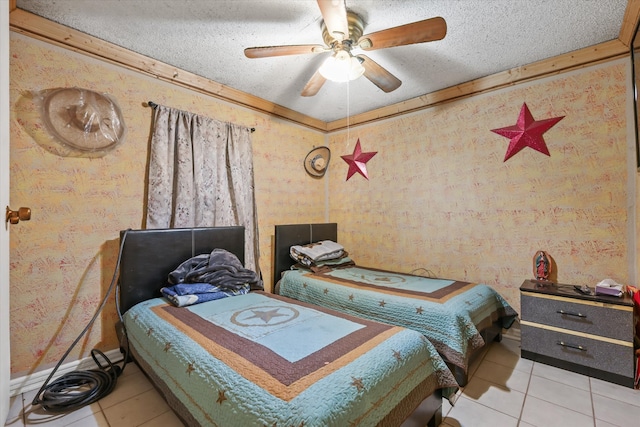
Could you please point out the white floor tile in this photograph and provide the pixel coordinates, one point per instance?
(616, 412)
(137, 410)
(38, 416)
(127, 386)
(561, 376)
(540, 413)
(468, 413)
(503, 376)
(600, 423)
(95, 420)
(14, 417)
(492, 396)
(168, 419)
(507, 353)
(560, 394)
(615, 391)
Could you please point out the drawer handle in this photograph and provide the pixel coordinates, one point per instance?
(577, 347)
(569, 313)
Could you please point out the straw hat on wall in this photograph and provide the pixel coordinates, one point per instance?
(82, 119)
(317, 161)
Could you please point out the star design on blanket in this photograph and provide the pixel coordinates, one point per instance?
(326, 291)
(382, 303)
(190, 368)
(397, 355)
(149, 331)
(167, 346)
(357, 383)
(351, 297)
(221, 397)
(419, 310)
(265, 316)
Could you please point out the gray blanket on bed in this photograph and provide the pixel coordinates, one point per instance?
(220, 267)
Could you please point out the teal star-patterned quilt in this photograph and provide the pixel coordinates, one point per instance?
(449, 313)
(266, 360)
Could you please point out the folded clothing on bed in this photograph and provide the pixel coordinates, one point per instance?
(208, 277)
(314, 252)
(195, 293)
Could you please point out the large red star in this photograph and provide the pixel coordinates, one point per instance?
(358, 161)
(527, 132)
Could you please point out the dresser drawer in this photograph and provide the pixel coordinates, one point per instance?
(594, 318)
(585, 351)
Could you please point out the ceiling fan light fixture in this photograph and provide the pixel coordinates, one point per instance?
(341, 67)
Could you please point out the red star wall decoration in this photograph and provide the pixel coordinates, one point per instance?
(358, 161)
(527, 132)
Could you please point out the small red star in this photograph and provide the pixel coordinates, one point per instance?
(358, 161)
(527, 132)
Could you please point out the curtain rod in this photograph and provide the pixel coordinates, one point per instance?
(154, 106)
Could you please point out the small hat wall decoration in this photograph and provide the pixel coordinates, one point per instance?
(87, 123)
(317, 161)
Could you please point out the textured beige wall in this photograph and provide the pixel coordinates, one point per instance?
(440, 197)
(62, 260)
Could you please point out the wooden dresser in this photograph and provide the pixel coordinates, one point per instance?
(588, 334)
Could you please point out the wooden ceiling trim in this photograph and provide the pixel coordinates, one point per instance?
(630, 22)
(43, 29)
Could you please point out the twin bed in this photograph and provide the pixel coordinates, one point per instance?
(459, 318)
(264, 359)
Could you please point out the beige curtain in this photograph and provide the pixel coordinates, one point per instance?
(201, 175)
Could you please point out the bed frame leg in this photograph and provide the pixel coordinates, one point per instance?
(122, 339)
(436, 419)
(460, 375)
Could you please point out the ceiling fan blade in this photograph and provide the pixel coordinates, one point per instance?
(313, 85)
(418, 32)
(378, 75)
(269, 51)
(334, 14)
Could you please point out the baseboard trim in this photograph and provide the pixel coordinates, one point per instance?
(34, 381)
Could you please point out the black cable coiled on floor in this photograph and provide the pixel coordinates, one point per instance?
(76, 389)
(79, 388)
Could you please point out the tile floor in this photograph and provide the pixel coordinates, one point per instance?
(504, 390)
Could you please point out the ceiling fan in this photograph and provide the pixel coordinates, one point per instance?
(342, 31)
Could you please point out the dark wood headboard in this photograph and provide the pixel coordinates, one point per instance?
(297, 234)
(148, 256)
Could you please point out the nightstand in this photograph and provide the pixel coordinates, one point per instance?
(588, 334)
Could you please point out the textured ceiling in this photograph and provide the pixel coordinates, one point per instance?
(207, 38)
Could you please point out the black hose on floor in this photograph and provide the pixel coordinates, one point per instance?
(76, 389)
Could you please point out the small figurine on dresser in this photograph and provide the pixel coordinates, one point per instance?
(541, 265)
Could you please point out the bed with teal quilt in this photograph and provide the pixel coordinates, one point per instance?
(457, 317)
(260, 359)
